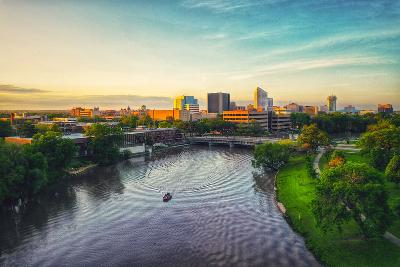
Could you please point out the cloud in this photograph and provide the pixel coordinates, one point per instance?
(216, 36)
(219, 6)
(308, 64)
(331, 41)
(8, 88)
(69, 101)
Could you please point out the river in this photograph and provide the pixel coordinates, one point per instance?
(222, 213)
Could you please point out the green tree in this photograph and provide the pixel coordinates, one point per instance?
(26, 129)
(43, 128)
(381, 142)
(130, 121)
(352, 191)
(299, 119)
(145, 120)
(23, 171)
(36, 171)
(164, 124)
(270, 156)
(58, 151)
(5, 129)
(393, 169)
(104, 143)
(94, 119)
(311, 137)
(342, 123)
(51, 116)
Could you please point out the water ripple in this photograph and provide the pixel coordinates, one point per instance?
(221, 214)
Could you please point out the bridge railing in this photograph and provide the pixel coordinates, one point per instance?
(233, 139)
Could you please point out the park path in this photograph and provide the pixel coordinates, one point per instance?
(321, 151)
(389, 236)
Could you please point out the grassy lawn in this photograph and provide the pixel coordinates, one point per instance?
(296, 191)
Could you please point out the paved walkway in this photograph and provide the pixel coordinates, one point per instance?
(389, 236)
(317, 159)
(347, 147)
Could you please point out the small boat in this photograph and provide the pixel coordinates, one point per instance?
(167, 197)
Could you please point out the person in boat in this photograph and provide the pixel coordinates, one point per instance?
(167, 197)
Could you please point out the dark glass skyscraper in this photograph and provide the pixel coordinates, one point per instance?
(218, 102)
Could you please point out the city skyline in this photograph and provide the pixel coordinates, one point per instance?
(60, 54)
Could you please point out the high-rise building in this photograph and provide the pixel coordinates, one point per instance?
(385, 108)
(270, 103)
(332, 103)
(218, 102)
(186, 103)
(181, 101)
(260, 99)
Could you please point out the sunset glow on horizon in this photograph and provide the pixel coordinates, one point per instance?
(56, 54)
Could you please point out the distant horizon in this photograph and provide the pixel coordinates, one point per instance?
(59, 54)
(123, 101)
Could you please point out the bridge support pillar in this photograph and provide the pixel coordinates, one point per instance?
(231, 145)
(209, 144)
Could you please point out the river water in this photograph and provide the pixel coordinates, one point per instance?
(222, 214)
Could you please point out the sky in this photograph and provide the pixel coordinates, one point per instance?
(55, 54)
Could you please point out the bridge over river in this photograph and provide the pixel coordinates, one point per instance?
(231, 140)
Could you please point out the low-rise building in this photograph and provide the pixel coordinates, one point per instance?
(82, 112)
(18, 140)
(385, 108)
(192, 108)
(246, 117)
(280, 120)
(293, 107)
(323, 109)
(310, 110)
(168, 114)
(350, 109)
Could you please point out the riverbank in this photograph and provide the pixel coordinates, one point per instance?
(222, 213)
(296, 190)
(81, 170)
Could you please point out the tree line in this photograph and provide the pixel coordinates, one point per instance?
(27, 169)
(335, 123)
(346, 190)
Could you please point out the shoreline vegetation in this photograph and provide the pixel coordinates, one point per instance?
(345, 200)
(296, 191)
(313, 205)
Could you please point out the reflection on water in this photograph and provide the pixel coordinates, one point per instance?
(222, 213)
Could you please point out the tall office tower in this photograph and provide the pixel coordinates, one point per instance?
(218, 102)
(186, 103)
(270, 103)
(332, 103)
(260, 99)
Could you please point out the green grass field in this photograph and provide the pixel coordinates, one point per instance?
(296, 191)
